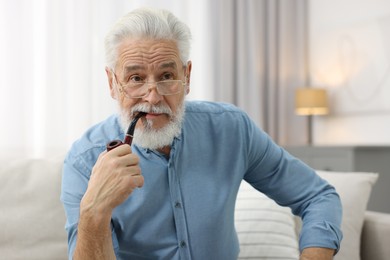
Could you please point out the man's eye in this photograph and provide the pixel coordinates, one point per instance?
(135, 79)
(167, 76)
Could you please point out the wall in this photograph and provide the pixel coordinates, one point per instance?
(350, 55)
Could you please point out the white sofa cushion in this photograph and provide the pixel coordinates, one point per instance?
(265, 229)
(354, 189)
(32, 218)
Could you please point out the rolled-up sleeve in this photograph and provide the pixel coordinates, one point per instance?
(291, 183)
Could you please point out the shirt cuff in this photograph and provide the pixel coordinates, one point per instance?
(320, 234)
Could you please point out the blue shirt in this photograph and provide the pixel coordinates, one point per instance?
(185, 210)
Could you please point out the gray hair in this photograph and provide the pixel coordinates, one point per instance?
(148, 23)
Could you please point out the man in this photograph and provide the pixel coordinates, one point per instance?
(171, 195)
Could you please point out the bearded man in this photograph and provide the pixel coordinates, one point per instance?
(171, 194)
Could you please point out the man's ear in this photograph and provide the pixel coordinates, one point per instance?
(110, 78)
(188, 76)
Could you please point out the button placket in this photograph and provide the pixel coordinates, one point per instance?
(178, 209)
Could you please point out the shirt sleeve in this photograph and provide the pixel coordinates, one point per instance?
(75, 179)
(291, 183)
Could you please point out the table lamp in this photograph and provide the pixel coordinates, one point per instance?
(311, 101)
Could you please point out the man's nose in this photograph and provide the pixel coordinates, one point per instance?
(153, 97)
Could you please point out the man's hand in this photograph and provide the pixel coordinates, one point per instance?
(317, 253)
(114, 177)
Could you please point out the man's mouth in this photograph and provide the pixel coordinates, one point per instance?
(152, 112)
(153, 115)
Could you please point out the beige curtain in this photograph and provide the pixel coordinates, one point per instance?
(259, 56)
(52, 80)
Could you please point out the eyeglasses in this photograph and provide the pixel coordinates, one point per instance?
(141, 89)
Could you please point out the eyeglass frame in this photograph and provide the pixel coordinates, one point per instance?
(122, 88)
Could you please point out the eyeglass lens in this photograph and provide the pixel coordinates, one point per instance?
(169, 87)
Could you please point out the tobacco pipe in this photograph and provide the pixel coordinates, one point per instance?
(129, 134)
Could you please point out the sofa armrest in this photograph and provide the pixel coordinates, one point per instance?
(375, 238)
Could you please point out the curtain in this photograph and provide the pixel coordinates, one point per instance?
(53, 83)
(260, 56)
(52, 80)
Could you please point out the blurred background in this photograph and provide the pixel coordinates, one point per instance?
(252, 53)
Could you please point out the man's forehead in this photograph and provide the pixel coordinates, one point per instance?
(138, 54)
(148, 47)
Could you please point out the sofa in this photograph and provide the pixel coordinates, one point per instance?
(32, 217)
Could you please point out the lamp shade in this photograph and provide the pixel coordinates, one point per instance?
(311, 101)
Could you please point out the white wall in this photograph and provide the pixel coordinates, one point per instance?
(350, 55)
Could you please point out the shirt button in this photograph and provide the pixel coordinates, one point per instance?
(177, 205)
(182, 244)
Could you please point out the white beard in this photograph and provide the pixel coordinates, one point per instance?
(148, 137)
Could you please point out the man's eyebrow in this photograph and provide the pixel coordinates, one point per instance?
(170, 64)
(131, 68)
